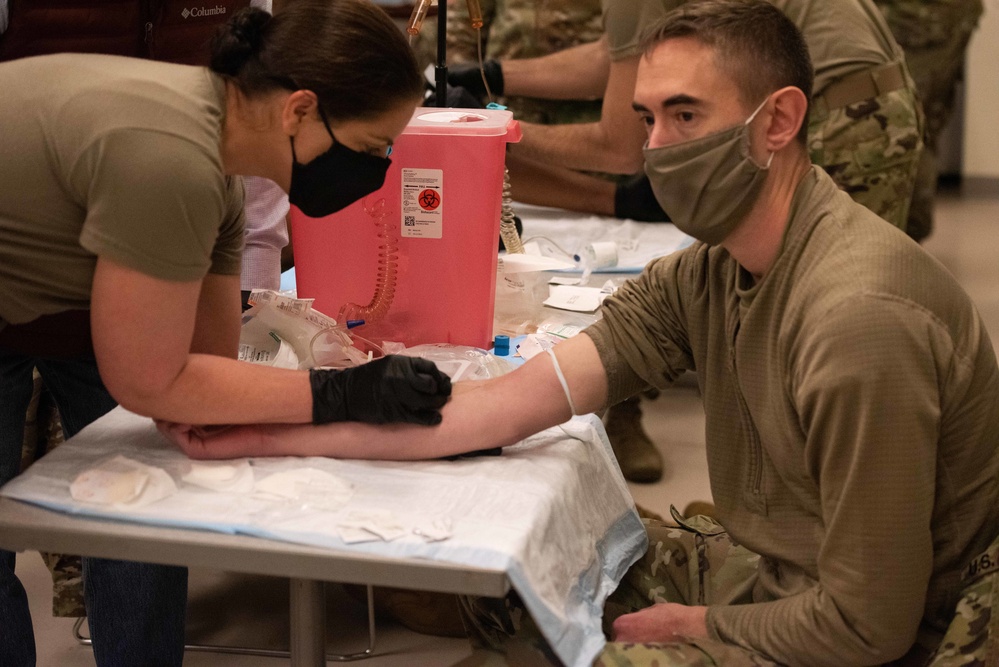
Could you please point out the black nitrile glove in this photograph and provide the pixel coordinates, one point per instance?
(634, 199)
(492, 451)
(457, 97)
(467, 75)
(387, 390)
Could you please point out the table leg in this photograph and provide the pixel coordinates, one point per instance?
(308, 623)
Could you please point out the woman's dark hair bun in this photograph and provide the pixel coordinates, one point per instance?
(348, 53)
(238, 40)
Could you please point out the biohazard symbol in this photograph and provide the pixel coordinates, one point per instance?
(429, 200)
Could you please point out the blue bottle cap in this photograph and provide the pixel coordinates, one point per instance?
(501, 345)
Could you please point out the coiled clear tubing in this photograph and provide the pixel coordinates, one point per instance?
(508, 228)
(388, 263)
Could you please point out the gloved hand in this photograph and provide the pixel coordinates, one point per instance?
(467, 75)
(634, 199)
(387, 390)
(457, 97)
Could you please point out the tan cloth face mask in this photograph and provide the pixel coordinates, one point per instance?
(707, 186)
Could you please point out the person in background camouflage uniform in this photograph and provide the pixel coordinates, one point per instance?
(934, 35)
(520, 29)
(870, 137)
(872, 149)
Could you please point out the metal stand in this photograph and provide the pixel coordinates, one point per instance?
(307, 610)
(440, 70)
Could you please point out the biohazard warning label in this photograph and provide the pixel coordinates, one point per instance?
(422, 203)
(429, 200)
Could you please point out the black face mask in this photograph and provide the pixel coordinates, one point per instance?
(335, 179)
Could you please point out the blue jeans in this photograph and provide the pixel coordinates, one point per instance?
(135, 610)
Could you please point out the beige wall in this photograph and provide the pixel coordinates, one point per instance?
(981, 120)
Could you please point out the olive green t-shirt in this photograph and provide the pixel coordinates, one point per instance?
(843, 36)
(112, 157)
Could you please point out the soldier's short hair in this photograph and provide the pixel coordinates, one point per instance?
(756, 44)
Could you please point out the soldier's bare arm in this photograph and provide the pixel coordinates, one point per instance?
(547, 185)
(480, 415)
(576, 73)
(613, 144)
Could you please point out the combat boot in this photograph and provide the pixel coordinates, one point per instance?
(637, 455)
(420, 611)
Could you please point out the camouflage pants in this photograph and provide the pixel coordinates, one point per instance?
(694, 562)
(872, 150)
(690, 562)
(934, 36)
(973, 635)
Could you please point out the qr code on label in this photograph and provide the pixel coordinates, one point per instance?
(409, 220)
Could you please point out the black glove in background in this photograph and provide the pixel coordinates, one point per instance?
(387, 390)
(634, 199)
(457, 97)
(467, 75)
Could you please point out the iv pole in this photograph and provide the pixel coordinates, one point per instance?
(440, 71)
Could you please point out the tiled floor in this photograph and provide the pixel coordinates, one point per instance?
(236, 610)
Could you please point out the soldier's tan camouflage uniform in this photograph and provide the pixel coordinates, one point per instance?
(973, 635)
(934, 35)
(691, 561)
(515, 29)
(694, 561)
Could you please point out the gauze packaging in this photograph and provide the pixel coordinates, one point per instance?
(228, 476)
(123, 482)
